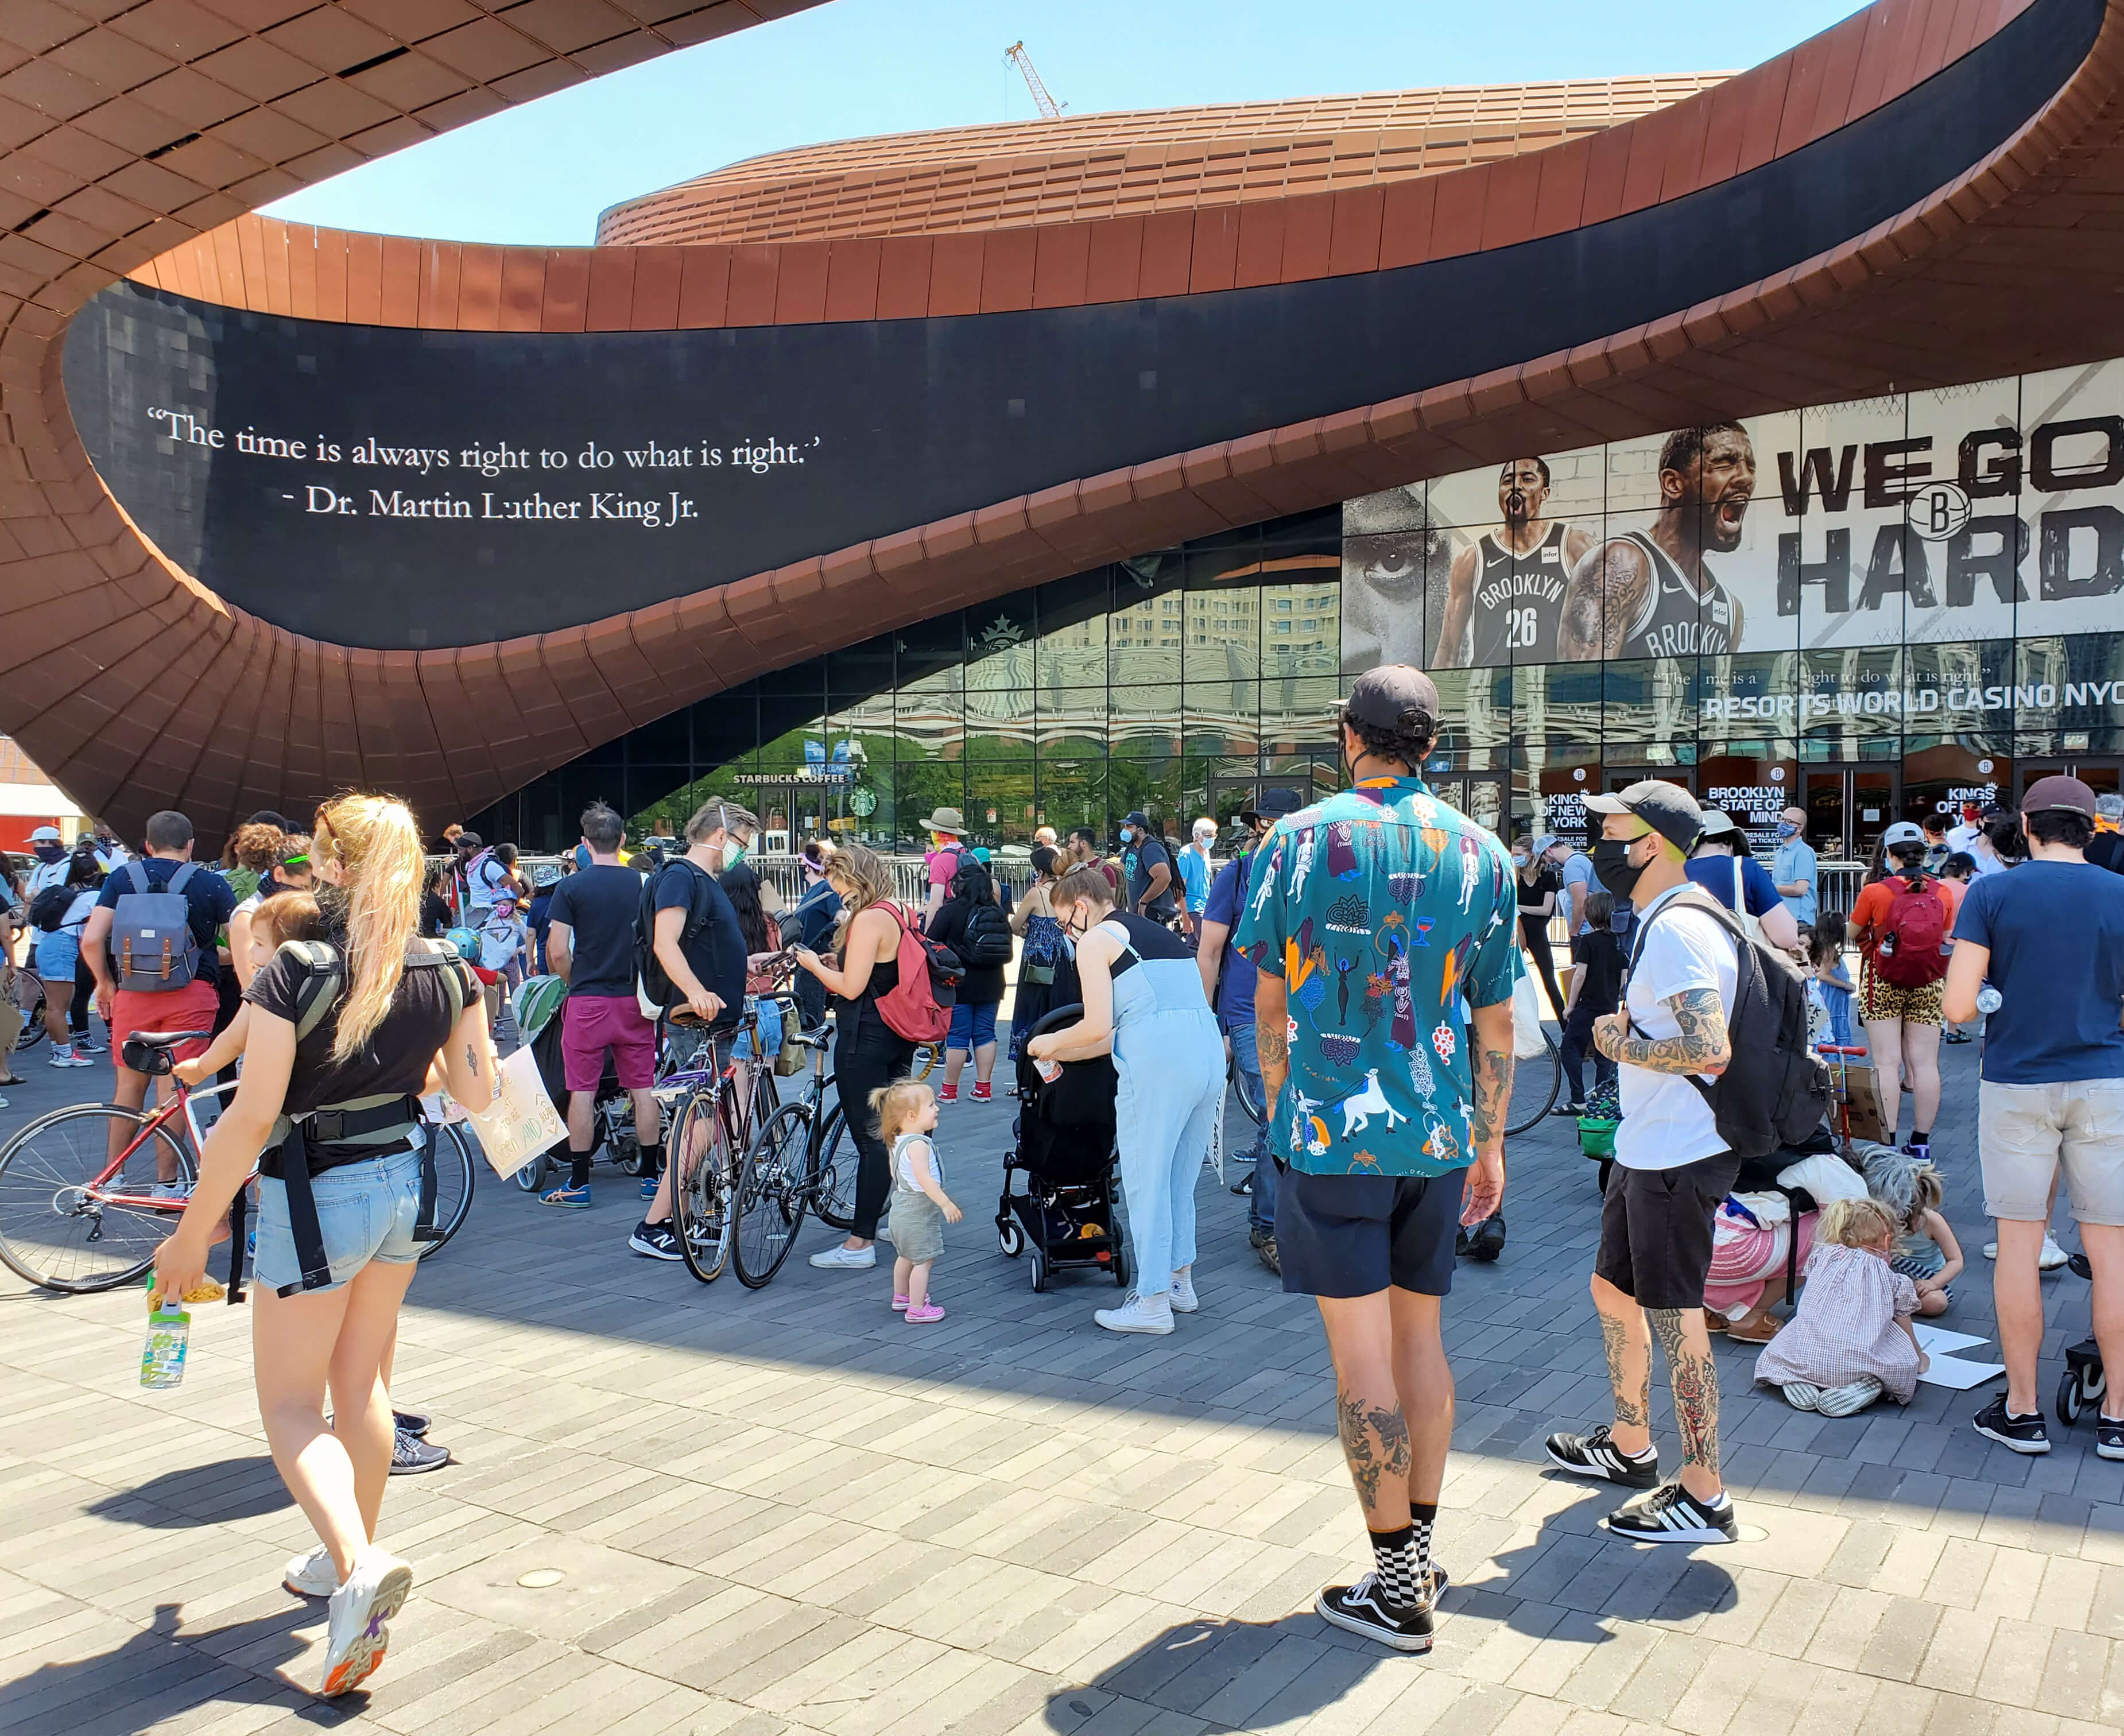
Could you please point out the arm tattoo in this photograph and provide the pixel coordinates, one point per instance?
(1702, 1045)
(1375, 1444)
(1271, 1045)
(1632, 1410)
(1605, 594)
(1696, 1382)
(1493, 1094)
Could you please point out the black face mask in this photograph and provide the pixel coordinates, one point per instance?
(1611, 866)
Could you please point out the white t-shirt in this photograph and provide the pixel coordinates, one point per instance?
(1665, 1121)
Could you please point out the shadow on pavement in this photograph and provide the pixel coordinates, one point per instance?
(176, 1500)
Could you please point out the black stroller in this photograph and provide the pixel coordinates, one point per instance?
(1065, 1148)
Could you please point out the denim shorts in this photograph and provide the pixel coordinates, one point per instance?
(972, 1027)
(770, 1029)
(366, 1212)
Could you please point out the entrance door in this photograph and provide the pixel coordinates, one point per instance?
(1848, 808)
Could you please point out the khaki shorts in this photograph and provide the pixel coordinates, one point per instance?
(2026, 1133)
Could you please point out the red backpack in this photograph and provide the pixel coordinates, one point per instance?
(918, 1007)
(1912, 952)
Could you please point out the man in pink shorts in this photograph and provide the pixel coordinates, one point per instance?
(590, 947)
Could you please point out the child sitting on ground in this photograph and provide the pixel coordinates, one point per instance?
(1928, 1253)
(906, 1112)
(1852, 1339)
(1832, 976)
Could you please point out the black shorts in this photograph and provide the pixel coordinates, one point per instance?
(1350, 1236)
(1656, 1229)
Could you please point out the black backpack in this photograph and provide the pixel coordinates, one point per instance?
(988, 936)
(1775, 1090)
(654, 992)
(47, 910)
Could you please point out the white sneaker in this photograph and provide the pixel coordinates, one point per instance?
(1184, 1300)
(66, 1057)
(2049, 1260)
(312, 1575)
(1139, 1314)
(170, 1190)
(358, 1632)
(845, 1258)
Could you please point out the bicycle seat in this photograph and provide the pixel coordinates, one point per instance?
(149, 1052)
(167, 1039)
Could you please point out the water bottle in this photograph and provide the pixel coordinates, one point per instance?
(1989, 999)
(163, 1357)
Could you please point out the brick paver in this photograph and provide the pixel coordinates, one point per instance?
(787, 1510)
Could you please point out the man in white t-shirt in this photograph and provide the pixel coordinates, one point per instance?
(1671, 1172)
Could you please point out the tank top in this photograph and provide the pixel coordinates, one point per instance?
(1676, 621)
(1519, 600)
(861, 1013)
(903, 1171)
(1147, 939)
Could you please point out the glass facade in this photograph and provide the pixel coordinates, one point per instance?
(1870, 610)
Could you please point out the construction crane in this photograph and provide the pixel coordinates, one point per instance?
(1049, 109)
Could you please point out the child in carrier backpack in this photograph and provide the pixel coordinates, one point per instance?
(906, 1112)
(1852, 1339)
(284, 916)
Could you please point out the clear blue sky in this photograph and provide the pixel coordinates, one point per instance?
(541, 173)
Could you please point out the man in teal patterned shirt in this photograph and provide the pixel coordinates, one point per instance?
(1382, 924)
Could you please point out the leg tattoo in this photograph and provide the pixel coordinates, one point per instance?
(1695, 1380)
(1374, 1443)
(1633, 1411)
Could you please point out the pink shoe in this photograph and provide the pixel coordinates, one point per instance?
(982, 1095)
(923, 1314)
(947, 1093)
(900, 1305)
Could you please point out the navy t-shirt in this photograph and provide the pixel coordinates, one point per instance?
(600, 903)
(717, 952)
(1715, 875)
(1142, 855)
(1236, 973)
(206, 893)
(2055, 931)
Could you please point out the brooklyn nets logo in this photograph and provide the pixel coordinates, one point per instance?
(1938, 511)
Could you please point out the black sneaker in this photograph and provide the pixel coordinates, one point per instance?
(1670, 1514)
(1362, 1608)
(1573, 1110)
(1596, 1455)
(2109, 1437)
(1488, 1241)
(1462, 1246)
(2023, 1434)
(656, 1241)
(1243, 1185)
(410, 1422)
(411, 1455)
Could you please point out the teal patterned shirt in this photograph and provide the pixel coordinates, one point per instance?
(1388, 914)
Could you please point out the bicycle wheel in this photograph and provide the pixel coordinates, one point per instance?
(1249, 1101)
(33, 1027)
(1535, 1082)
(453, 1180)
(771, 1196)
(835, 1201)
(57, 1228)
(700, 1184)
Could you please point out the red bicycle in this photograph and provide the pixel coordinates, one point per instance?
(88, 1193)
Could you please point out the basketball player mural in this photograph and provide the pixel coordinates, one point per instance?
(1648, 593)
(1504, 595)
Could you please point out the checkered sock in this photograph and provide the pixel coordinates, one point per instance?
(1393, 1554)
(1421, 1521)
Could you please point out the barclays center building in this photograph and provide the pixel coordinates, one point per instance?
(1764, 432)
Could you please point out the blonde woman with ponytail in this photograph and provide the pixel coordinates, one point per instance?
(335, 1115)
(868, 1054)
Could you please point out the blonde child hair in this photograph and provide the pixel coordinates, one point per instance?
(1855, 1223)
(897, 1104)
(286, 916)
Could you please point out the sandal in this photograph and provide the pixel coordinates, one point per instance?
(1771, 1326)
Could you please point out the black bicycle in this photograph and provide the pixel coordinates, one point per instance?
(803, 1159)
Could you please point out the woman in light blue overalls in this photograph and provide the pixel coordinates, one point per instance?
(1143, 1003)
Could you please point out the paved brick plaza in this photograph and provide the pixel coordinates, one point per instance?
(786, 1510)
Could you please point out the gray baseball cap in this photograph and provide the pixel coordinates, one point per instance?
(1667, 808)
